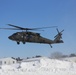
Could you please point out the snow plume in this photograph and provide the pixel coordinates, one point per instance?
(40, 66)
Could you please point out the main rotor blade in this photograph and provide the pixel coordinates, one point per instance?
(16, 29)
(30, 28)
(10, 28)
(44, 27)
(19, 27)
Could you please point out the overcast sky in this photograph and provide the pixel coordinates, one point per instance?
(38, 13)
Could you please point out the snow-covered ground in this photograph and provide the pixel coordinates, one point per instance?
(40, 66)
(72, 59)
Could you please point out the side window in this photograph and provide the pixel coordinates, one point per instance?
(4, 62)
(0, 62)
(13, 62)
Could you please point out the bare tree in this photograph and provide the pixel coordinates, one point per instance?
(72, 55)
(56, 55)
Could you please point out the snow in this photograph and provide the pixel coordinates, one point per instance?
(73, 59)
(40, 66)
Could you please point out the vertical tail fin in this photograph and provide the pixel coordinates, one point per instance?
(58, 37)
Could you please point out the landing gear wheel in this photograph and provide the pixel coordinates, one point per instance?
(18, 43)
(23, 42)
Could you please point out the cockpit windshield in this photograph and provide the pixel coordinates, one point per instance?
(15, 34)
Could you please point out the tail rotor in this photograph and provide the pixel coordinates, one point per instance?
(59, 33)
(58, 37)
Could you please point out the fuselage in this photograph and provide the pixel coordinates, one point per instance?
(29, 37)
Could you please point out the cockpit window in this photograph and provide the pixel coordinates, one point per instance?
(15, 34)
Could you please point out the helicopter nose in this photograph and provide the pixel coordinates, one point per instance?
(10, 37)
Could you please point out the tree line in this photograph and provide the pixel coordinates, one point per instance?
(58, 55)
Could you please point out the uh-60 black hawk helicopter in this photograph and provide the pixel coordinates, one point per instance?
(26, 36)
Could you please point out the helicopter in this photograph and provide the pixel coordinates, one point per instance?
(27, 36)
